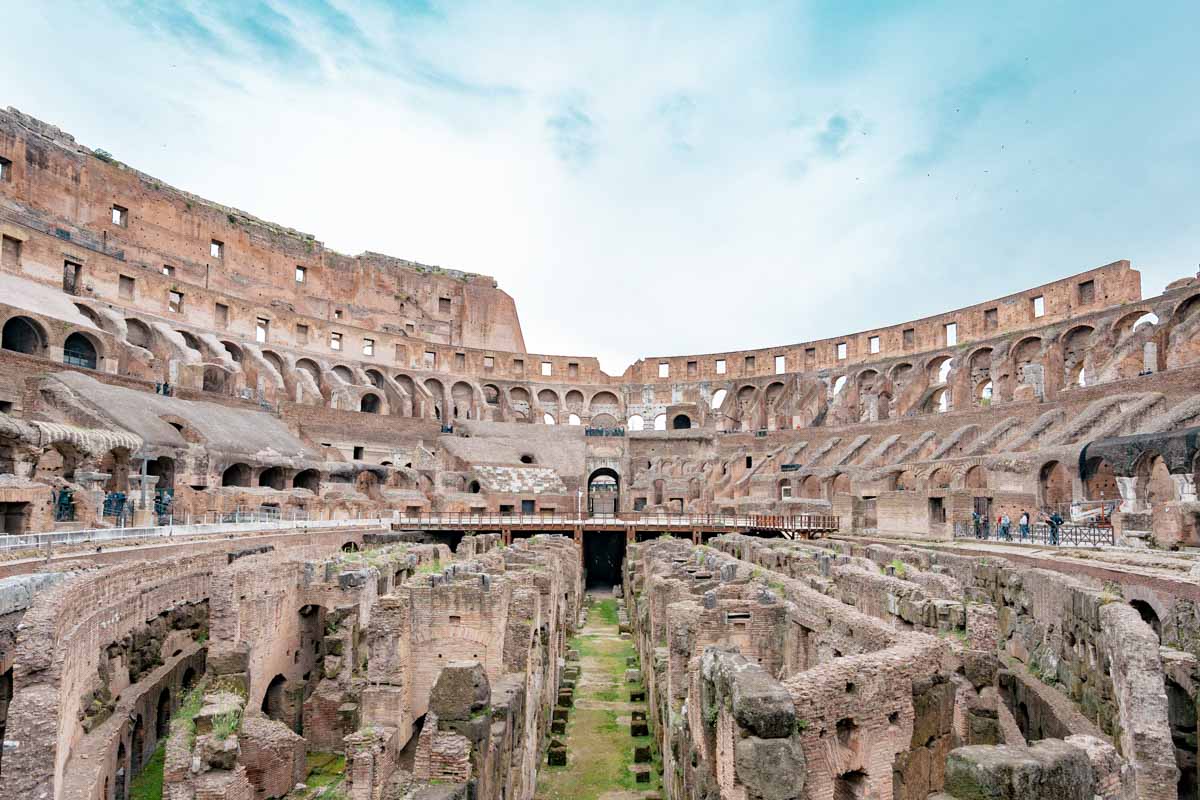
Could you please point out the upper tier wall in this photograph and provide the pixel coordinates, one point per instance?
(59, 199)
(113, 219)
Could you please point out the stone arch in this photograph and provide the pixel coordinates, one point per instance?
(637, 422)
(718, 398)
(772, 393)
(376, 378)
(605, 402)
(681, 422)
(574, 400)
(190, 341)
(840, 484)
(274, 702)
(234, 351)
(274, 359)
(236, 475)
(273, 478)
(938, 401)
(660, 422)
(81, 350)
(138, 333)
(214, 379)
(810, 488)
(906, 481)
(1154, 484)
(938, 369)
(1133, 321)
(1148, 615)
(549, 419)
(1054, 485)
(438, 390)
(344, 373)
(308, 479)
(1100, 482)
(162, 714)
(939, 478)
(491, 394)
(462, 396)
(976, 477)
(310, 366)
(370, 403)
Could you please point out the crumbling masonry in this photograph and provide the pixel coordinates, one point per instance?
(273, 516)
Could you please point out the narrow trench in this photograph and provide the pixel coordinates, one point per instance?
(603, 759)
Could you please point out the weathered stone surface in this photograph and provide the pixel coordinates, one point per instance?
(1049, 770)
(461, 691)
(773, 769)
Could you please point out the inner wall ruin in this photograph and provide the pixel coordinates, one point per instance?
(280, 522)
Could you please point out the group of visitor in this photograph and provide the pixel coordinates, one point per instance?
(1053, 520)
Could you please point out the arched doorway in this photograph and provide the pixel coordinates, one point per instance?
(1100, 482)
(604, 495)
(78, 351)
(307, 479)
(369, 404)
(1055, 485)
(236, 475)
(272, 478)
(681, 422)
(23, 335)
(1148, 615)
(162, 715)
(274, 703)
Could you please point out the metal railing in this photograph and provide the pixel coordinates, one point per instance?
(247, 522)
(466, 519)
(1066, 535)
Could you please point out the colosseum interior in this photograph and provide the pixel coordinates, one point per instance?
(281, 522)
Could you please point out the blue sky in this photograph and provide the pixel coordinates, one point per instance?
(652, 179)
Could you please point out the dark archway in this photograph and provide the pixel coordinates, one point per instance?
(369, 404)
(604, 492)
(1148, 615)
(274, 703)
(78, 351)
(272, 478)
(307, 479)
(1055, 485)
(236, 475)
(681, 422)
(162, 715)
(23, 335)
(164, 469)
(603, 558)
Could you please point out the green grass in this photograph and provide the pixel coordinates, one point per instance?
(600, 749)
(148, 784)
(606, 610)
(227, 724)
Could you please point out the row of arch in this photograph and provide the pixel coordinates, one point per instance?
(22, 334)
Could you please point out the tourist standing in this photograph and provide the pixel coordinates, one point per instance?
(1024, 524)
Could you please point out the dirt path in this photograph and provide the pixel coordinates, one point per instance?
(599, 747)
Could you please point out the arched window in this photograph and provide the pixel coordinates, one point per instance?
(369, 404)
(548, 419)
(636, 423)
(23, 335)
(573, 419)
(660, 422)
(718, 398)
(79, 351)
(681, 422)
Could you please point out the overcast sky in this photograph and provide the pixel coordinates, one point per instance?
(655, 179)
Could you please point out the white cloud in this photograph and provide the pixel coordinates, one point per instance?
(650, 182)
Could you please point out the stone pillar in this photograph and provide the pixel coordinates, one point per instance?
(1185, 487)
(1150, 357)
(1128, 489)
